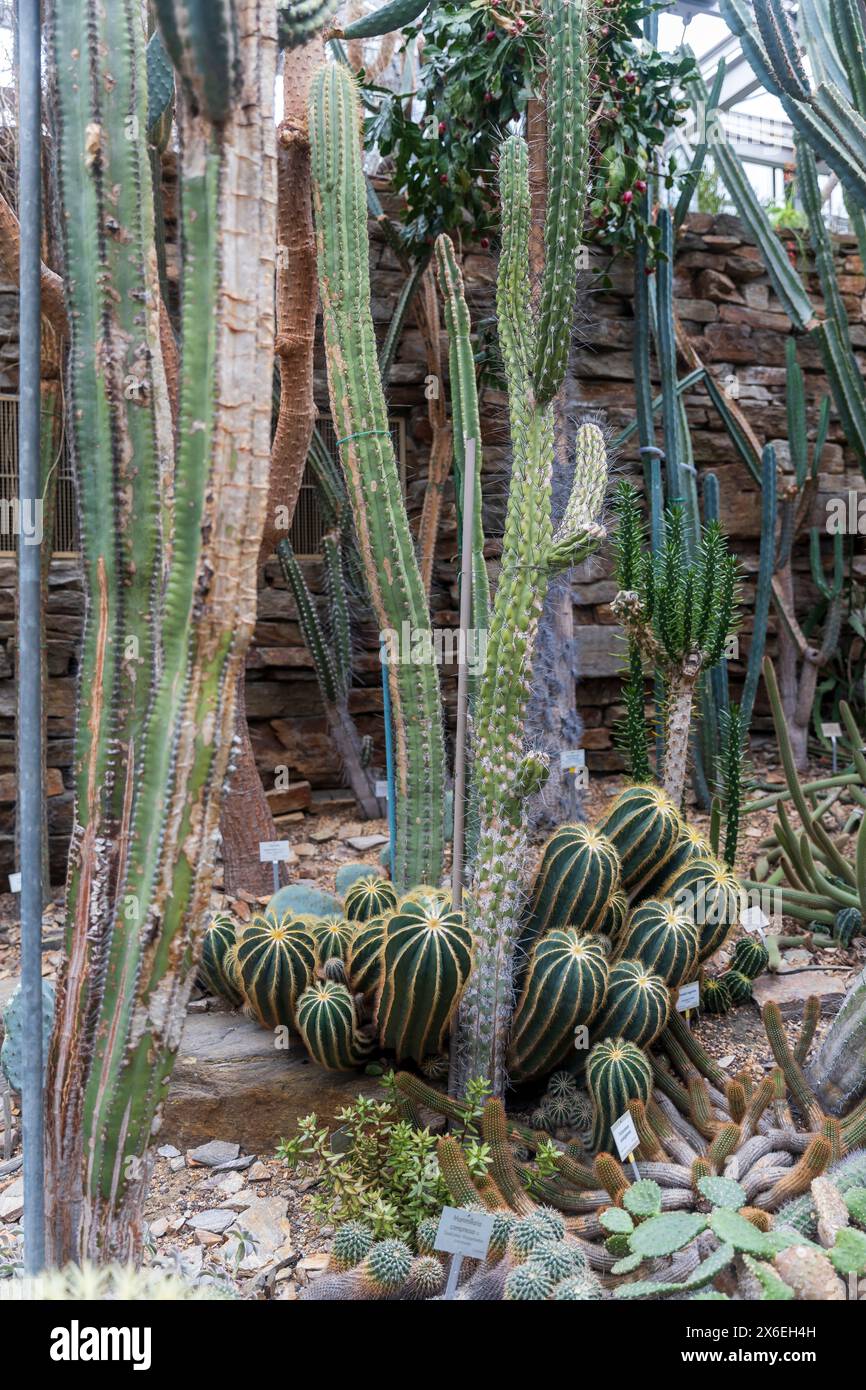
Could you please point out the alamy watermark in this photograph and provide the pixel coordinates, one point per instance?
(22, 516)
(437, 646)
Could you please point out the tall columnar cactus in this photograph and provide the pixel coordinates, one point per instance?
(534, 349)
(170, 573)
(367, 454)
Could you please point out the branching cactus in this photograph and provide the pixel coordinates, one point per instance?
(170, 573)
(534, 351)
(679, 616)
(358, 408)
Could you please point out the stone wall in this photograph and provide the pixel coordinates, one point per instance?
(739, 330)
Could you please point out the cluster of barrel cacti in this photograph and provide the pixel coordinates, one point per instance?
(621, 914)
(380, 968)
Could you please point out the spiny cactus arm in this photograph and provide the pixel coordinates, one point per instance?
(763, 587)
(567, 98)
(667, 358)
(808, 1028)
(311, 627)
(780, 39)
(298, 21)
(466, 423)
(848, 31)
(503, 1170)
(358, 408)
(791, 1069)
(202, 40)
(580, 532)
(340, 622)
(455, 1172)
(810, 1166)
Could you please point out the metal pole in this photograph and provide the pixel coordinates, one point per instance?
(463, 673)
(389, 757)
(29, 739)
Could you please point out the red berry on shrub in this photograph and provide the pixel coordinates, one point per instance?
(443, 178)
(628, 197)
(631, 78)
(640, 185)
(490, 35)
(442, 127)
(484, 242)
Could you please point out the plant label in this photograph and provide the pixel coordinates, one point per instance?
(753, 920)
(275, 852)
(626, 1138)
(834, 733)
(381, 791)
(464, 1232)
(689, 997)
(14, 883)
(572, 759)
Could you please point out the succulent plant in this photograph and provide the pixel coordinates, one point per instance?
(565, 985)
(328, 1024)
(528, 1282)
(750, 957)
(663, 938)
(644, 826)
(333, 936)
(352, 1243)
(364, 962)
(578, 872)
(426, 959)
(636, 1007)
(616, 1072)
(276, 960)
(219, 938)
(368, 897)
(715, 995)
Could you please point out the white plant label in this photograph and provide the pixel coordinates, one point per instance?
(572, 759)
(754, 920)
(14, 883)
(381, 791)
(833, 730)
(625, 1136)
(464, 1232)
(689, 997)
(275, 852)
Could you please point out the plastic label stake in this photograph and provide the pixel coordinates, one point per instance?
(754, 920)
(14, 883)
(688, 998)
(834, 733)
(627, 1141)
(460, 1234)
(275, 852)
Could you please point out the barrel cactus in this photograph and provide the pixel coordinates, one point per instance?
(711, 894)
(328, 1024)
(364, 962)
(276, 961)
(579, 871)
(662, 938)
(617, 1071)
(691, 845)
(645, 827)
(333, 937)
(565, 985)
(738, 985)
(219, 938)
(426, 959)
(715, 995)
(636, 1007)
(750, 957)
(369, 897)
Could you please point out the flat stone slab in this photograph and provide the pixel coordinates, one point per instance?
(212, 1154)
(214, 1221)
(790, 991)
(230, 1081)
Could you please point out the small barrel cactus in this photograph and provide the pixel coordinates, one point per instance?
(368, 897)
(333, 937)
(528, 1283)
(738, 985)
(276, 960)
(617, 1071)
(565, 985)
(691, 845)
(664, 939)
(219, 938)
(352, 1243)
(715, 995)
(750, 957)
(427, 956)
(645, 827)
(637, 1004)
(328, 1024)
(847, 924)
(364, 963)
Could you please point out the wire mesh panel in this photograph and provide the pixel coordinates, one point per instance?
(65, 535)
(308, 524)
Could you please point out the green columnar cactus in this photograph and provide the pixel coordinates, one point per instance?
(534, 353)
(298, 21)
(367, 454)
(170, 539)
(330, 646)
(566, 984)
(465, 420)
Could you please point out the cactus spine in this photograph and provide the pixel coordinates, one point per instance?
(173, 568)
(534, 352)
(367, 454)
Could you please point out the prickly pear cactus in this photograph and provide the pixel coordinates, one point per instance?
(11, 1054)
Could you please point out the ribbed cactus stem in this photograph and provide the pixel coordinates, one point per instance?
(725, 1143)
(170, 582)
(367, 452)
(736, 1098)
(809, 1167)
(793, 1072)
(611, 1176)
